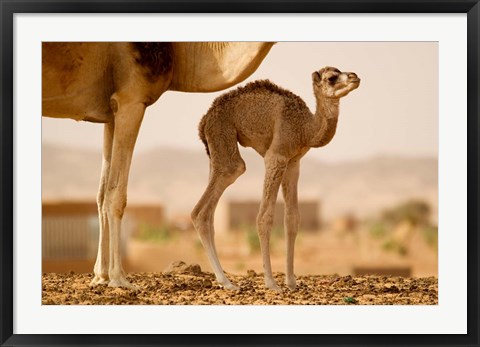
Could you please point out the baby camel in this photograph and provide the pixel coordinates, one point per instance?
(280, 127)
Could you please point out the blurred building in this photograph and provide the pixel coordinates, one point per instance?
(141, 215)
(70, 232)
(235, 215)
(347, 224)
(69, 235)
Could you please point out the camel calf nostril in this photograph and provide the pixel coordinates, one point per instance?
(352, 75)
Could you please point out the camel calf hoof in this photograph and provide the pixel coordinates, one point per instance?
(291, 284)
(229, 286)
(273, 286)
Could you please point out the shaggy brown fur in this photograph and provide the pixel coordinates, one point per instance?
(257, 87)
(281, 128)
(291, 100)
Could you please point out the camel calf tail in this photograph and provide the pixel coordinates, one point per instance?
(201, 133)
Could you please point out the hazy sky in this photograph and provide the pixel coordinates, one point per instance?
(394, 111)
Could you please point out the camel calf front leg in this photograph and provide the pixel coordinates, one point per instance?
(292, 216)
(275, 169)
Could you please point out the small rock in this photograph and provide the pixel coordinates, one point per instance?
(193, 269)
(180, 267)
(174, 266)
(391, 288)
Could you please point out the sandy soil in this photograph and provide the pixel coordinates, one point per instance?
(188, 285)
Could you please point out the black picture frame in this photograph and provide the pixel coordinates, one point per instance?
(10, 7)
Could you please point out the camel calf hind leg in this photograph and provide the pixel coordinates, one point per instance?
(224, 170)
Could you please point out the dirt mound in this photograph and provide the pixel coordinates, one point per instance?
(183, 284)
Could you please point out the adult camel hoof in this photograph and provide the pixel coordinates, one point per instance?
(122, 283)
(98, 280)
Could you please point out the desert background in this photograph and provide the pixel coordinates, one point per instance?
(369, 199)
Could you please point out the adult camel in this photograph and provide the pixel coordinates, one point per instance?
(113, 83)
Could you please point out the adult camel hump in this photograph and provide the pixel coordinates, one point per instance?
(113, 83)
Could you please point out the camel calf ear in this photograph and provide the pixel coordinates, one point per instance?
(316, 77)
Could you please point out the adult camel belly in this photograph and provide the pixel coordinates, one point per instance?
(77, 81)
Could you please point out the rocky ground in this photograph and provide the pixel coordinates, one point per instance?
(183, 284)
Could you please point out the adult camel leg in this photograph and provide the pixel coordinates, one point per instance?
(128, 119)
(292, 216)
(275, 169)
(100, 269)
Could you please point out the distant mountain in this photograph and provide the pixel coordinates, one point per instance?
(178, 177)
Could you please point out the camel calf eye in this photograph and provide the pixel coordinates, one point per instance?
(332, 79)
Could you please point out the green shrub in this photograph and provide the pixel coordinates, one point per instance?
(394, 246)
(430, 233)
(252, 238)
(254, 242)
(416, 212)
(155, 234)
(378, 230)
(277, 233)
(350, 300)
